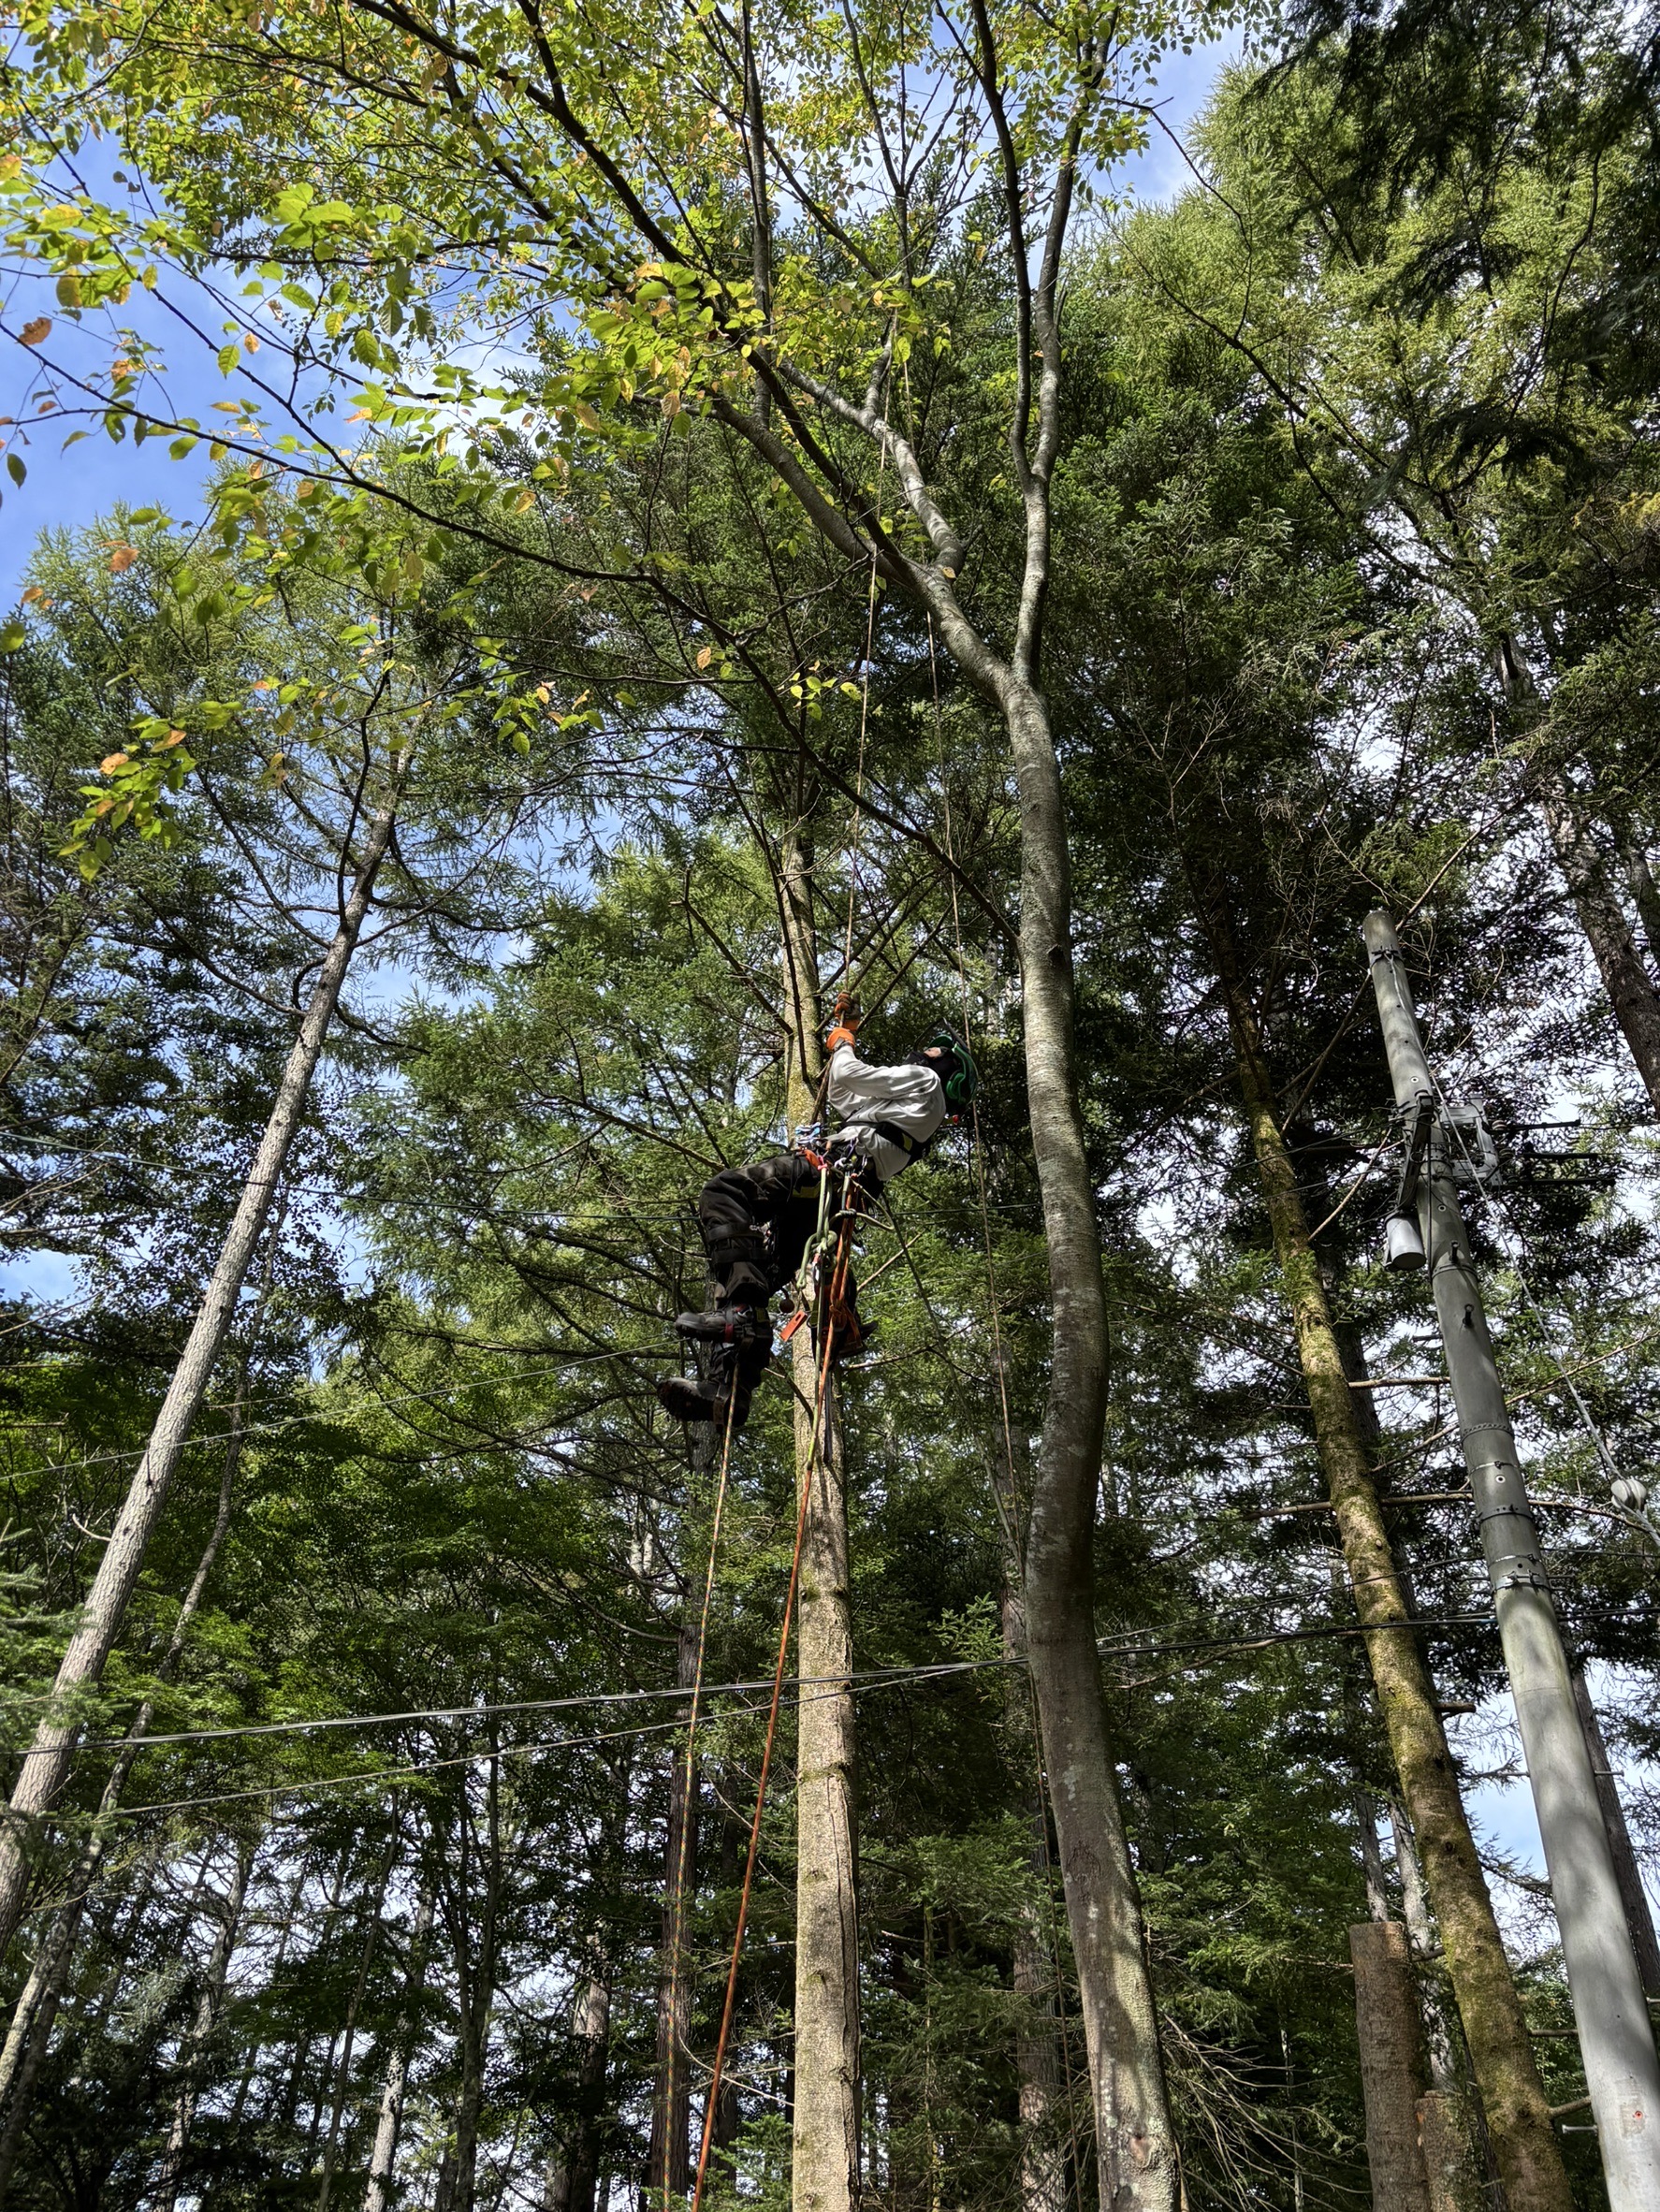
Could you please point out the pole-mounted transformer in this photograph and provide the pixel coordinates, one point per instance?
(1427, 1226)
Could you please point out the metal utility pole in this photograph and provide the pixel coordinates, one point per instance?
(1616, 2040)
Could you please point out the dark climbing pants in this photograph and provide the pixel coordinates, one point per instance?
(757, 1223)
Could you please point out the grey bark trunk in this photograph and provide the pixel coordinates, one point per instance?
(574, 2179)
(824, 2170)
(382, 2159)
(1645, 895)
(343, 2073)
(1386, 2020)
(1624, 977)
(1371, 1856)
(476, 1994)
(34, 2014)
(165, 2191)
(1456, 2160)
(1444, 2070)
(46, 1764)
(1037, 2048)
(668, 2166)
(825, 2173)
(1632, 1894)
(1133, 2133)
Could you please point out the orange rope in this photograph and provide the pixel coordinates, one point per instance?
(711, 2105)
(677, 1925)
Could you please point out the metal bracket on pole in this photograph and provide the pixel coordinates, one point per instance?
(1402, 1244)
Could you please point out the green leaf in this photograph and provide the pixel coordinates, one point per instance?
(13, 634)
(15, 469)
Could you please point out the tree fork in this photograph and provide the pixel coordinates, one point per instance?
(1513, 2097)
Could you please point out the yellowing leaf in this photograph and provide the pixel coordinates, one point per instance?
(34, 332)
(111, 762)
(122, 559)
(706, 656)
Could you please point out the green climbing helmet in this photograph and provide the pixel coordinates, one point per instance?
(961, 1081)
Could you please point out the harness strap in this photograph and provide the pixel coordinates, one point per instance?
(892, 1134)
(719, 1250)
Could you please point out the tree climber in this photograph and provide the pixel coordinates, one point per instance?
(759, 1223)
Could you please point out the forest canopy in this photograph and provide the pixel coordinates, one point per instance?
(732, 1477)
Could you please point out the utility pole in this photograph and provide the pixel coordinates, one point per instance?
(1616, 2040)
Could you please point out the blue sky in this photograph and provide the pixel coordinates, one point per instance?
(71, 489)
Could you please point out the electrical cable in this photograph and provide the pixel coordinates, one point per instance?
(839, 1686)
(869, 1676)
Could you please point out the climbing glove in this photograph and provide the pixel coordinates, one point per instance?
(845, 1017)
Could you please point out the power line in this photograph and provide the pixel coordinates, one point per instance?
(1123, 1647)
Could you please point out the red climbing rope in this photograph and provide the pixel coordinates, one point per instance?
(711, 2105)
(677, 1925)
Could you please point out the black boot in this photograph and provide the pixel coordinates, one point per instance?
(690, 1399)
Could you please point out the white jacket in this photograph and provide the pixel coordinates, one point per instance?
(912, 1098)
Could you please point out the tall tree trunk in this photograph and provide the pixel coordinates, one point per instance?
(1134, 2133)
(1037, 2048)
(285, 1927)
(1495, 2030)
(1626, 977)
(1387, 2024)
(46, 1764)
(1444, 2069)
(36, 2011)
(1646, 893)
(825, 2173)
(382, 2159)
(342, 2072)
(1371, 1856)
(573, 2177)
(1629, 1875)
(1454, 2163)
(1134, 2138)
(668, 2164)
(193, 2052)
(475, 1990)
